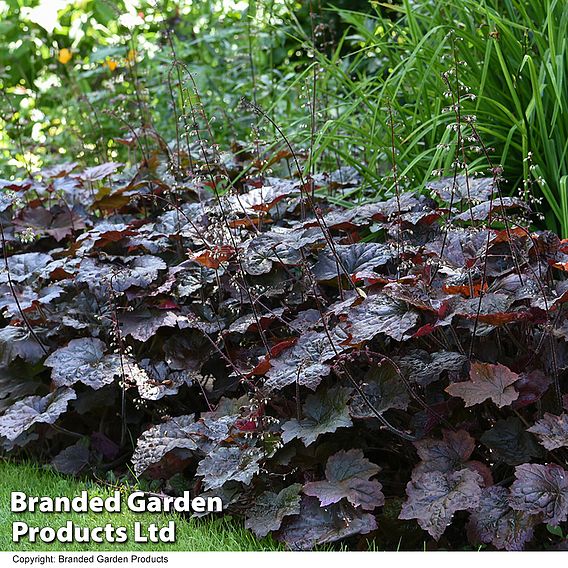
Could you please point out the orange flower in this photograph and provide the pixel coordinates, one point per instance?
(64, 56)
(111, 64)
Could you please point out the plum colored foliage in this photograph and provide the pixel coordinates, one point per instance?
(306, 362)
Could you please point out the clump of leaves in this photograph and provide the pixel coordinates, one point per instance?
(315, 366)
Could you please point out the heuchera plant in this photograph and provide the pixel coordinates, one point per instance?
(393, 370)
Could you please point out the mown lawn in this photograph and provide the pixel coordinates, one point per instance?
(215, 534)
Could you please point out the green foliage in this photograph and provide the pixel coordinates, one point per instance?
(506, 59)
(93, 80)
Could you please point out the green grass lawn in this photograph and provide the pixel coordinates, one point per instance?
(211, 534)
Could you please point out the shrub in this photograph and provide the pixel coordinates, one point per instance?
(329, 372)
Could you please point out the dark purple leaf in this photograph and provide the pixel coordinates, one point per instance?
(73, 459)
(104, 446)
(380, 314)
(158, 380)
(264, 198)
(494, 522)
(434, 497)
(531, 386)
(27, 298)
(143, 325)
(181, 433)
(24, 267)
(382, 388)
(423, 368)
(494, 309)
(270, 509)
(18, 342)
(552, 431)
(448, 454)
(141, 272)
(304, 363)
(22, 415)
(315, 525)
(483, 210)
(351, 259)
(99, 172)
(510, 442)
(541, 490)
(229, 464)
(261, 252)
(83, 360)
(347, 476)
(323, 413)
(462, 188)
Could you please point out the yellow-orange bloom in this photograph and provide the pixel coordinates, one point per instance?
(64, 56)
(111, 64)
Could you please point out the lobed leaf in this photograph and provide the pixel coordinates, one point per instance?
(348, 476)
(541, 490)
(552, 431)
(270, 509)
(31, 410)
(434, 497)
(324, 413)
(487, 381)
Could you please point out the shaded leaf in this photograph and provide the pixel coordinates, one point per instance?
(531, 386)
(423, 368)
(104, 446)
(270, 509)
(552, 431)
(510, 442)
(347, 476)
(323, 413)
(541, 490)
(315, 525)
(495, 522)
(18, 342)
(383, 388)
(72, 459)
(486, 381)
(434, 497)
(22, 415)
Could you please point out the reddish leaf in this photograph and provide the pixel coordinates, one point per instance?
(214, 257)
(486, 381)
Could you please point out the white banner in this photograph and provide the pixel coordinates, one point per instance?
(279, 559)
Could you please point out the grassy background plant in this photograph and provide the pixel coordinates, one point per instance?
(508, 61)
